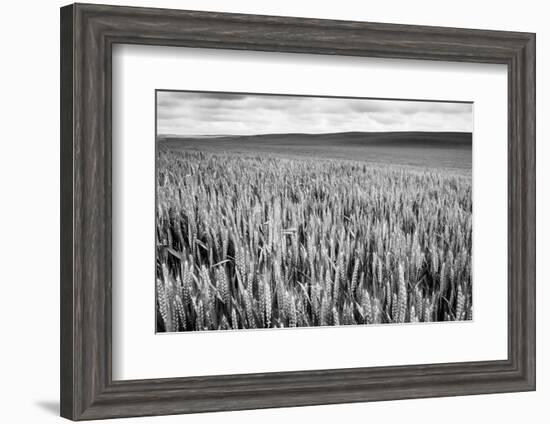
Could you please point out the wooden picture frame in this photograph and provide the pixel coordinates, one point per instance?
(88, 33)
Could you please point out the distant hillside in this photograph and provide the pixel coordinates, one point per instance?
(444, 150)
(404, 138)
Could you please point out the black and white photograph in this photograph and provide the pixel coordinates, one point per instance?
(276, 211)
(266, 212)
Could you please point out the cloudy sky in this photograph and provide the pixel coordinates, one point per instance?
(194, 113)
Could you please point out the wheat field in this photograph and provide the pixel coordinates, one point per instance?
(247, 241)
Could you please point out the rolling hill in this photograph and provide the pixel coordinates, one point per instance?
(451, 150)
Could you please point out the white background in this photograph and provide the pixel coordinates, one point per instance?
(29, 174)
(138, 70)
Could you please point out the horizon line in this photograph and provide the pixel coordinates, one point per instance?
(311, 133)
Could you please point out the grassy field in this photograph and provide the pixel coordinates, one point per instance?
(274, 231)
(448, 151)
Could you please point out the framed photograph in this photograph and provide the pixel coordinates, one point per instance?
(263, 211)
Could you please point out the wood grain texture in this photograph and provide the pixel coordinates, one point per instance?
(88, 33)
(66, 213)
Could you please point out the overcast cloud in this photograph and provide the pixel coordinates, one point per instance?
(193, 113)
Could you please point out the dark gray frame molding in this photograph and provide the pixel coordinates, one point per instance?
(88, 33)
